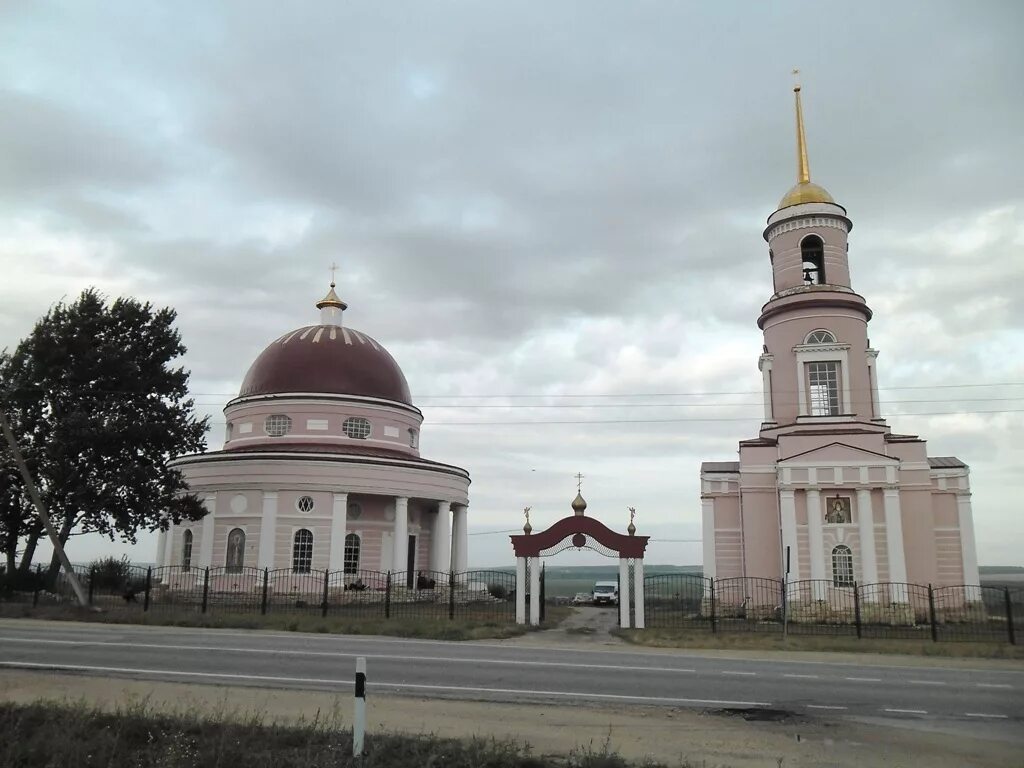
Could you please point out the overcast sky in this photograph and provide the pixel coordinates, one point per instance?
(537, 201)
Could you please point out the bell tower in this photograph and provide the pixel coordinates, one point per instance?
(817, 365)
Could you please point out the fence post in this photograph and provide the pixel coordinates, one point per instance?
(856, 608)
(714, 621)
(206, 587)
(92, 579)
(387, 597)
(149, 586)
(38, 582)
(451, 595)
(931, 614)
(1009, 616)
(785, 606)
(543, 571)
(327, 581)
(266, 583)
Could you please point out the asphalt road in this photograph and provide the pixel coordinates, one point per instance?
(984, 702)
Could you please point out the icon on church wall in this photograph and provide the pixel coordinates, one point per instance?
(236, 549)
(838, 511)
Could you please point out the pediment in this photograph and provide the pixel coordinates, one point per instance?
(837, 453)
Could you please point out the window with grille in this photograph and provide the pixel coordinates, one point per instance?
(823, 388)
(354, 510)
(356, 427)
(351, 553)
(305, 504)
(278, 425)
(186, 550)
(820, 337)
(842, 566)
(302, 551)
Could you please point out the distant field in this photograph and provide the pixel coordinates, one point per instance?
(567, 581)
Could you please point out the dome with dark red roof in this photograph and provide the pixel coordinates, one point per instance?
(326, 359)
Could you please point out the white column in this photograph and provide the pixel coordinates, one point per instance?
(535, 591)
(206, 542)
(787, 510)
(816, 542)
(268, 531)
(707, 512)
(638, 593)
(520, 590)
(624, 592)
(765, 364)
(894, 544)
(400, 545)
(441, 538)
(968, 550)
(167, 542)
(876, 411)
(339, 529)
(866, 526)
(460, 537)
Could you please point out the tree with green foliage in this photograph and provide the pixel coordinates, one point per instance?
(98, 410)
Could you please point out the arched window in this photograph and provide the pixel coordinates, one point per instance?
(186, 550)
(842, 566)
(812, 251)
(351, 553)
(234, 558)
(820, 337)
(302, 551)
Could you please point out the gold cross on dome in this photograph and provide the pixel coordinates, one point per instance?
(579, 482)
(334, 268)
(796, 78)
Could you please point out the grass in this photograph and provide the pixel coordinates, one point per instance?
(659, 637)
(481, 627)
(71, 736)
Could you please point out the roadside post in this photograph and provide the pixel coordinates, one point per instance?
(359, 716)
(785, 598)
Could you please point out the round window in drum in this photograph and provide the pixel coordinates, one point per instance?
(305, 504)
(356, 427)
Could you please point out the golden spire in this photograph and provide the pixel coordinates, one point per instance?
(332, 299)
(803, 170)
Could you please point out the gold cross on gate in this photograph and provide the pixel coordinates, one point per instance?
(579, 482)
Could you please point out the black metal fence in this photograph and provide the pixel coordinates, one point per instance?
(885, 610)
(480, 595)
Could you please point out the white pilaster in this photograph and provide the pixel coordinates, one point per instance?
(167, 546)
(400, 545)
(816, 543)
(460, 537)
(638, 593)
(876, 411)
(339, 530)
(765, 364)
(787, 510)
(968, 549)
(866, 527)
(535, 591)
(441, 538)
(624, 592)
(520, 590)
(268, 531)
(894, 544)
(707, 514)
(206, 542)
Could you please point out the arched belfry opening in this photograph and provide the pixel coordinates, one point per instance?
(812, 252)
(578, 531)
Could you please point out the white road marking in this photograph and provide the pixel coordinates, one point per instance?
(731, 672)
(344, 654)
(907, 711)
(926, 682)
(807, 677)
(823, 706)
(377, 684)
(981, 714)
(993, 685)
(864, 679)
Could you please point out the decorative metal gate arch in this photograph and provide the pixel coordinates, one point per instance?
(578, 532)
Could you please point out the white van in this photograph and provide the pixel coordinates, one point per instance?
(606, 593)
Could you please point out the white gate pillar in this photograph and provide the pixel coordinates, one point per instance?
(535, 591)
(520, 590)
(624, 592)
(638, 593)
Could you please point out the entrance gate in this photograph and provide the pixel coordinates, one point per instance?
(579, 532)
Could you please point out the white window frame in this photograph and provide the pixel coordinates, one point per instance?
(823, 353)
(298, 504)
(187, 536)
(823, 380)
(287, 421)
(344, 553)
(369, 427)
(295, 544)
(847, 555)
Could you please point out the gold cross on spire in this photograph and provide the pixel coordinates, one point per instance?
(579, 482)
(796, 79)
(334, 268)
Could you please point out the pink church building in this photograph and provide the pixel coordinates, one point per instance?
(827, 480)
(321, 468)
